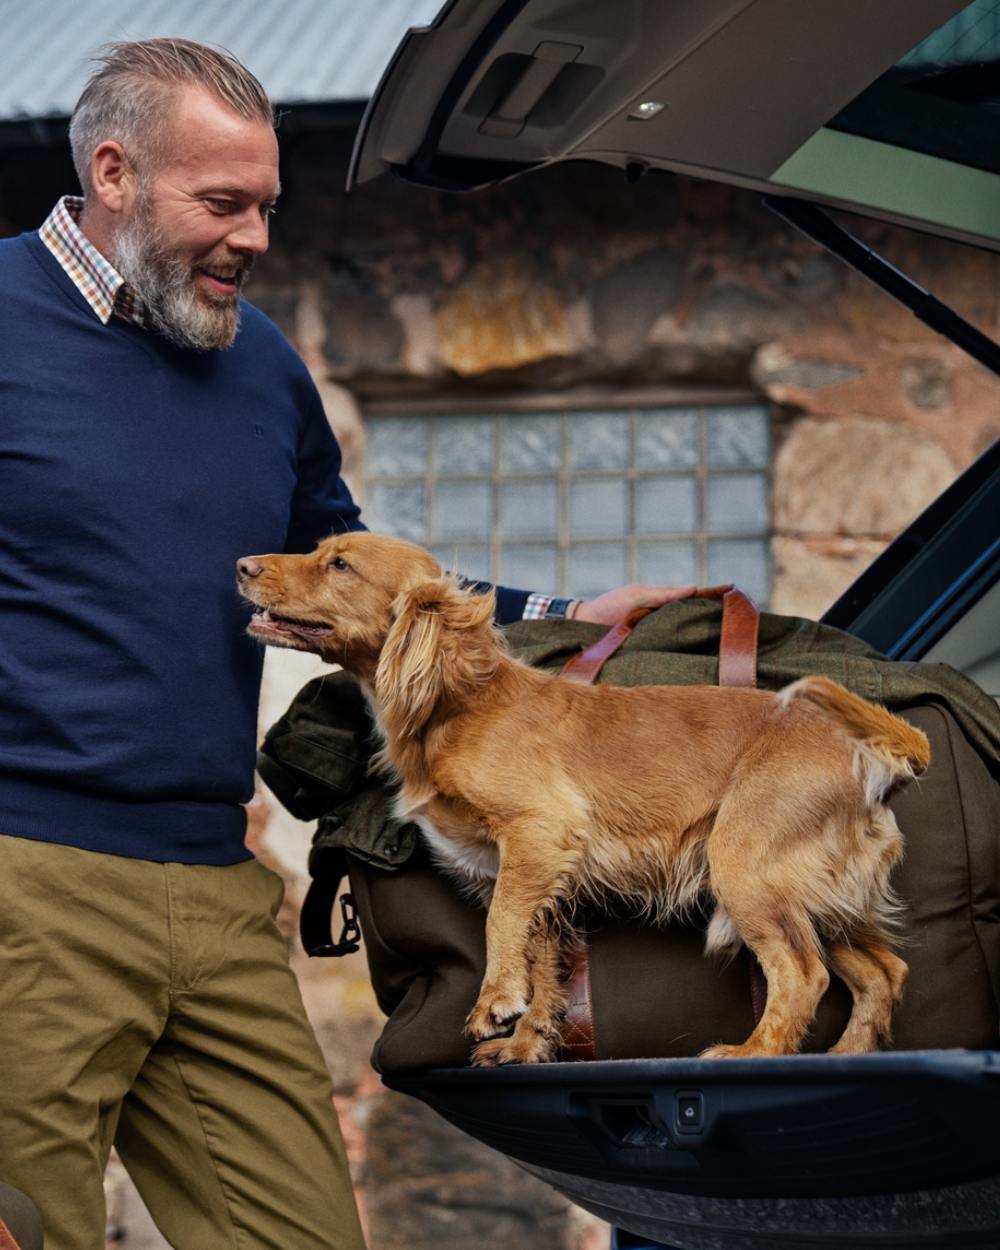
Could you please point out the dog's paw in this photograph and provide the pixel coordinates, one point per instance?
(525, 1046)
(727, 1052)
(748, 1050)
(855, 1044)
(494, 1016)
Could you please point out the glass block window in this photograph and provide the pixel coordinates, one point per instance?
(578, 502)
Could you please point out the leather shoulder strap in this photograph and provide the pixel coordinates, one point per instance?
(7, 1241)
(578, 1021)
(738, 640)
(585, 666)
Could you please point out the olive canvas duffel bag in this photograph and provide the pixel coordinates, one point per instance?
(644, 990)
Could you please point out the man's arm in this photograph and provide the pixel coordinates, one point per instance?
(607, 609)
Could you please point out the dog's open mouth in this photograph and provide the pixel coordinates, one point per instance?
(268, 624)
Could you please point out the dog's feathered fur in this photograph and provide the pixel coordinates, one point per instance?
(539, 793)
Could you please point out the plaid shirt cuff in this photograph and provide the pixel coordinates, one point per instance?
(536, 607)
(546, 607)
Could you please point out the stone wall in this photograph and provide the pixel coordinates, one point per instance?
(571, 279)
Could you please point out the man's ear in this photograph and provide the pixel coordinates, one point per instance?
(112, 178)
(430, 650)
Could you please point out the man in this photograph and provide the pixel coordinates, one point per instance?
(155, 428)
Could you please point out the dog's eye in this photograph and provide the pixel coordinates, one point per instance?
(339, 564)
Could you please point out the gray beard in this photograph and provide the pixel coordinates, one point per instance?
(165, 283)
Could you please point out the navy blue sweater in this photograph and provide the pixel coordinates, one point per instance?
(133, 474)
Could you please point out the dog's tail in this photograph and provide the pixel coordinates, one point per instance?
(889, 751)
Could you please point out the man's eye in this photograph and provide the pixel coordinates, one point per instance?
(339, 564)
(220, 206)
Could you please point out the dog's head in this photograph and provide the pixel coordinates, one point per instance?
(383, 609)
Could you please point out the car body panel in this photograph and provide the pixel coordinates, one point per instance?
(809, 1153)
(497, 87)
(754, 1118)
(972, 643)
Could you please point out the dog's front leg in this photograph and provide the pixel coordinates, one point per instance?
(523, 895)
(536, 1036)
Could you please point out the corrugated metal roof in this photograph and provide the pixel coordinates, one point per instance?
(303, 51)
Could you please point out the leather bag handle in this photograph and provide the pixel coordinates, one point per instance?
(585, 666)
(737, 643)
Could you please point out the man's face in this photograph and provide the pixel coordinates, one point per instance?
(199, 219)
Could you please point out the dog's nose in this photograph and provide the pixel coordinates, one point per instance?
(249, 566)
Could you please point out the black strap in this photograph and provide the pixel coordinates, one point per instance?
(328, 865)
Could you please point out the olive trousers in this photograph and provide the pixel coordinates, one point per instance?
(152, 1006)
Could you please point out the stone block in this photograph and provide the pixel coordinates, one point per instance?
(855, 477)
(965, 278)
(421, 351)
(809, 575)
(926, 383)
(830, 372)
(716, 327)
(502, 315)
(626, 301)
(805, 370)
(776, 368)
(343, 412)
(734, 315)
(362, 334)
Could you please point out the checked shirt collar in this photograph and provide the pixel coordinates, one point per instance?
(93, 275)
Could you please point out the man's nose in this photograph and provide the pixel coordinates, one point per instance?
(249, 233)
(249, 566)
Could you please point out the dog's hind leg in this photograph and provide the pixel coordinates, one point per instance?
(796, 980)
(753, 882)
(536, 1036)
(875, 977)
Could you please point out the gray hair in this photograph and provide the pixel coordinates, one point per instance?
(126, 98)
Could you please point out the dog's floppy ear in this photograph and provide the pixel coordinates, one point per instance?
(441, 643)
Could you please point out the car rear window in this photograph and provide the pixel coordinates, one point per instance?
(943, 97)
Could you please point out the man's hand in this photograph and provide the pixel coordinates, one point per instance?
(615, 605)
